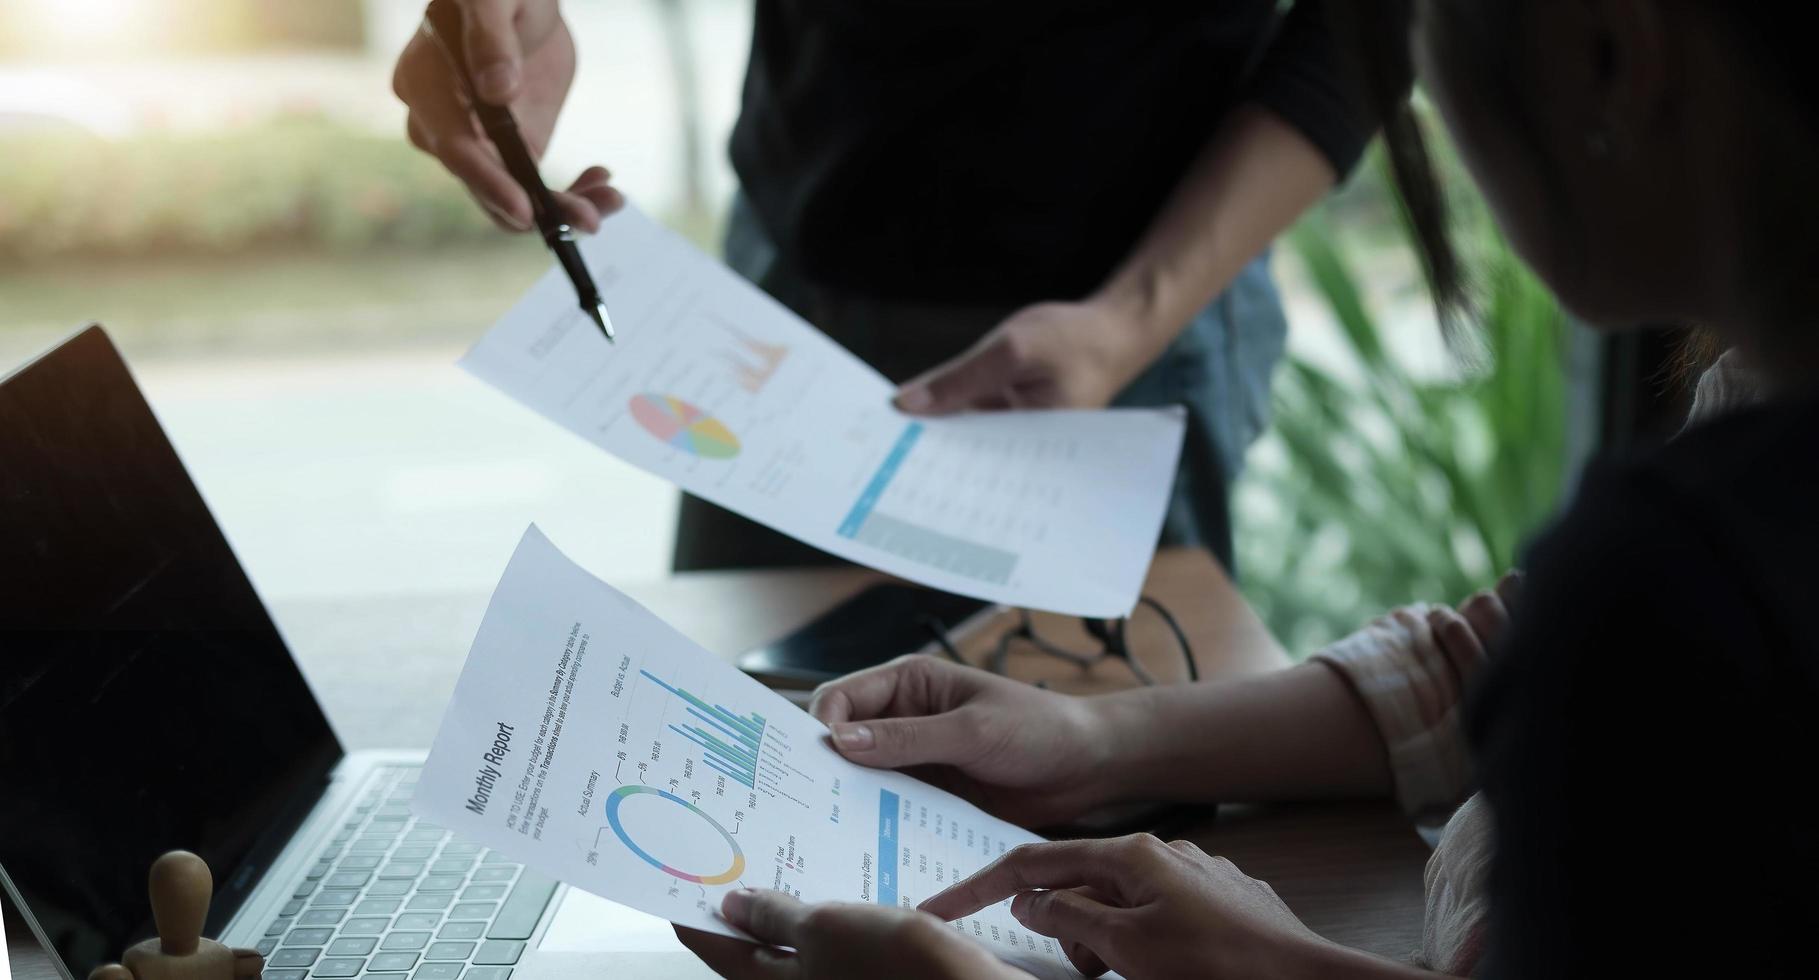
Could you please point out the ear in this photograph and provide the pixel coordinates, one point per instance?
(1629, 60)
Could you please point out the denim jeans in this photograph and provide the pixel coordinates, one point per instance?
(1218, 369)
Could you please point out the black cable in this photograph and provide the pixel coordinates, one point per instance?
(1187, 649)
(938, 630)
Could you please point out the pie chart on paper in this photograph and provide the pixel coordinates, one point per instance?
(684, 426)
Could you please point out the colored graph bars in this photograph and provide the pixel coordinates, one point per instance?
(731, 741)
(753, 368)
(916, 542)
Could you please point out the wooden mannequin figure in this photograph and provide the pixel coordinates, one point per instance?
(181, 887)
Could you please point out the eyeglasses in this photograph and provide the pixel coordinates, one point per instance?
(1111, 636)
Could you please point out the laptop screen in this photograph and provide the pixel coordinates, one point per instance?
(146, 700)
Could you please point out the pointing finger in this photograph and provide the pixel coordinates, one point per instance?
(1061, 864)
(1082, 924)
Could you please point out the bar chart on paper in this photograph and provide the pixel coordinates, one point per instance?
(742, 748)
(698, 789)
(652, 773)
(733, 744)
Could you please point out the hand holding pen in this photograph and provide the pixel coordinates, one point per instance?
(521, 58)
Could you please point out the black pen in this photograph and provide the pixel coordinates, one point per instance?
(444, 24)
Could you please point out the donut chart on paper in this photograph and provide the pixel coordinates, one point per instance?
(699, 876)
(684, 426)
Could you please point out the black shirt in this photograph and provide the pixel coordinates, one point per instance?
(1004, 151)
(1648, 738)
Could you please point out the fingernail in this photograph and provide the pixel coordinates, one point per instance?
(915, 399)
(496, 81)
(510, 220)
(854, 738)
(736, 906)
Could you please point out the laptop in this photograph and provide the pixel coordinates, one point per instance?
(147, 702)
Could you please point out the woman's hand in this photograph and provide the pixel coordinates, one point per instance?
(521, 55)
(1050, 355)
(839, 941)
(1146, 909)
(1478, 624)
(1031, 756)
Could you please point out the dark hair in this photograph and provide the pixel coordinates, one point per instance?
(1374, 38)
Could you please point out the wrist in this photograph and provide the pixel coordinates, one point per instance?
(1141, 301)
(1317, 958)
(1158, 292)
(1148, 310)
(1119, 339)
(1121, 728)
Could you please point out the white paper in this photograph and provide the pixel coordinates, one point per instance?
(715, 386)
(592, 742)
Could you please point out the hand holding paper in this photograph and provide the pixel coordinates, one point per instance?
(839, 942)
(599, 746)
(718, 388)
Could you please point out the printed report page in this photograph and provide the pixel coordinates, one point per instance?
(718, 388)
(594, 743)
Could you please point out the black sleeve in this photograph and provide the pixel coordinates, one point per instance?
(1626, 744)
(1302, 79)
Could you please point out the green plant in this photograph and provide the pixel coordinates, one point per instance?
(1386, 487)
(299, 183)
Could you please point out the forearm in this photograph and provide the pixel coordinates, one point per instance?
(1251, 182)
(1335, 961)
(1300, 733)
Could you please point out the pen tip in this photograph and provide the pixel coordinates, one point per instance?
(601, 320)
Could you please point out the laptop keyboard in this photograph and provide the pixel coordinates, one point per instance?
(400, 899)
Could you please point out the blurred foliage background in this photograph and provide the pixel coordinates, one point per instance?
(191, 27)
(288, 184)
(1380, 482)
(292, 233)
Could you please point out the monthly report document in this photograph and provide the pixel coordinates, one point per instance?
(592, 742)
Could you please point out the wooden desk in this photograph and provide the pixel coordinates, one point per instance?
(1352, 871)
